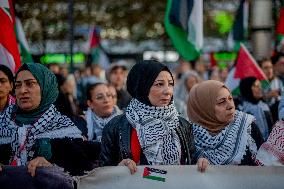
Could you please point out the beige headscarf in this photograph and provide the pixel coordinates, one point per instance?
(201, 105)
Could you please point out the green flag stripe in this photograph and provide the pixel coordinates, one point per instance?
(155, 178)
(179, 38)
(26, 57)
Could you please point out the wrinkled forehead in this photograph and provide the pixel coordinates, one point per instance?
(223, 93)
(24, 75)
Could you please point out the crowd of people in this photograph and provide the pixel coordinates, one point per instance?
(146, 115)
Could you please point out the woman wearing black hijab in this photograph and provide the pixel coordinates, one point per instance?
(150, 132)
(252, 103)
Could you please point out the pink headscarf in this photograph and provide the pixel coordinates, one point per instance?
(201, 105)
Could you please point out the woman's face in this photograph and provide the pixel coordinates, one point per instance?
(117, 77)
(256, 90)
(190, 82)
(224, 106)
(5, 85)
(101, 102)
(27, 90)
(68, 87)
(161, 91)
(267, 68)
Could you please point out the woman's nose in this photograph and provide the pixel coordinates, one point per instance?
(168, 90)
(230, 106)
(22, 89)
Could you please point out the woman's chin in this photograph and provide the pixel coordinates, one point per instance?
(231, 118)
(26, 107)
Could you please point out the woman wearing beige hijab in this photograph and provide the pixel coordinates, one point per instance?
(222, 134)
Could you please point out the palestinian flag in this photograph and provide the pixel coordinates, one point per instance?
(26, 56)
(184, 25)
(245, 66)
(98, 56)
(9, 52)
(154, 174)
(240, 27)
(280, 27)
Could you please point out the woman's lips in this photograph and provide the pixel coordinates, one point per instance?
(231, 114)
(23, 99)
(165, 100)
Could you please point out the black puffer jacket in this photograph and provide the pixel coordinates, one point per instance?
(116, 140)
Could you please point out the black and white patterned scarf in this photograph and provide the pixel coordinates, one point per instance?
(155, 127)
(95, 124)
(230, 145)
(50, 125)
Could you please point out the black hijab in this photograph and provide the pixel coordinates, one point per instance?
(141, 78)
(7, 72)
(246, 91)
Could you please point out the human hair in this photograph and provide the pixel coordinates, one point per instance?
(92, 87)
(7, 72)
(276, 58)
(265, 59)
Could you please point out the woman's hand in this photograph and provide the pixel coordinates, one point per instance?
(37, 162)
(130, 164)
(202, 164)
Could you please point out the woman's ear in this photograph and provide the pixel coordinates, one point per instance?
(89, 103)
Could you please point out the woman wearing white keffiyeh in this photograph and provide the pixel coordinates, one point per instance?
(155, 127)
(252, 103)
(151, 131)
(222, 134)
(101, 110)
(32, 132)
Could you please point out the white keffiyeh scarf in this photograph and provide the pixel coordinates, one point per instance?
(229, 146)
(155, 127)
(50, 125)
(95, 124)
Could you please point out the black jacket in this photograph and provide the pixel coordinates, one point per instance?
(116, 141)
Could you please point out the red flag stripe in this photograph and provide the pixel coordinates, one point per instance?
(246, 66)
(280, 24)
(8, 38)
(12, 12)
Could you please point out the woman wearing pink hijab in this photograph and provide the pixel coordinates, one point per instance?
(223, 135)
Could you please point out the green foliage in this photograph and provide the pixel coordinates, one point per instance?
(224, 20)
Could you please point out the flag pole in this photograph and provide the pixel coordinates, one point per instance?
(71, 29)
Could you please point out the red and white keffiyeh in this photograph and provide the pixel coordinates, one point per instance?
(271, 153)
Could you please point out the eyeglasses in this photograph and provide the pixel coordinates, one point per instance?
(101, 97)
